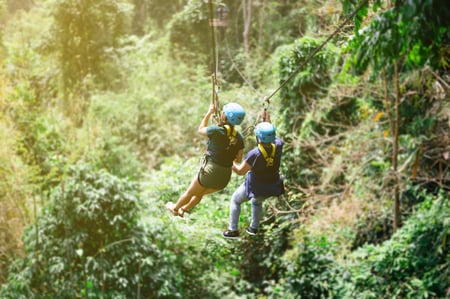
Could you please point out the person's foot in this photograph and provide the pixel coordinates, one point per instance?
(231, 234)
(251, 231)
(170, 206)
(181, 212)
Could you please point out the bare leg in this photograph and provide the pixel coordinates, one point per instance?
(190, 198)
(185, 197)
(194, 190)
(195, 200)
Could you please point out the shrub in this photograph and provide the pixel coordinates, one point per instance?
(311, 269)
(88, 243)
(413, 263)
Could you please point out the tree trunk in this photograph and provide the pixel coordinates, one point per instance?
(395, 152)
(393, 117)
(247, 12)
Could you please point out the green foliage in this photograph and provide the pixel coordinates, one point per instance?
(278, 23)
(210, 258)
(323, 125)
(17, 190)
(244, 267)
(374, 227)
(189, 33)
(416, 31)
(97, 238)
(41, 141)
(298, 95)
(89, 243)
(308, 84)
(84, 37)
(154, 13)
(310, 81)
(311, 269)
(413, 263)
(118, 158)
(154, 116)
(258, 259)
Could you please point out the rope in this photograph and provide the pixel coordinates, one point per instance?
(215, 85)
(213, 39)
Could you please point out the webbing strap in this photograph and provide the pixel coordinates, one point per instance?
(269, 159)
(231, 134)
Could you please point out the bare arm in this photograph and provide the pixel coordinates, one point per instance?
(241, 169)
(265, 116)
(239, 156)
(204, 123)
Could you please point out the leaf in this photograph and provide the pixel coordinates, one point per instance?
(79, 252)
(378, 116)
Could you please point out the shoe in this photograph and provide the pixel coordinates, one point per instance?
(251, 231)
(170, 206)
(231, 234)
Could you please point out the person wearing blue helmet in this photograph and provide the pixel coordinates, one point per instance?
(224, 147)
(262, 166)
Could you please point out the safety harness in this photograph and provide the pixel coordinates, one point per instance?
(232, 140)
(231, 134)
(269, 159)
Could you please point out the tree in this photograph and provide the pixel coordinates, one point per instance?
(89, 243)
(84, 37)
(392, 41)
(247, 14)
(154, 14)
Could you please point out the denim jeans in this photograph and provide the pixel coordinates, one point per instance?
(239, 196)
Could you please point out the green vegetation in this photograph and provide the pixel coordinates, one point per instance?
(99, 107)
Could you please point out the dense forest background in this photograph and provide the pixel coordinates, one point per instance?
(99, 107)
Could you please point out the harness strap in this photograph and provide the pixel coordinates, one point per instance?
(231, 134)
(269, 159)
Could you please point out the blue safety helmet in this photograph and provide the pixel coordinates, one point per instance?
(235, 113)
(265, 132)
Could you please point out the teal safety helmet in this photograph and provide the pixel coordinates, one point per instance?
(235, 113)
(265, 132)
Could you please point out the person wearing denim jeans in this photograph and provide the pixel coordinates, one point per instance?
(263, 180)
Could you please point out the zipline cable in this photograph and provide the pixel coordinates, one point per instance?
(266, 100)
